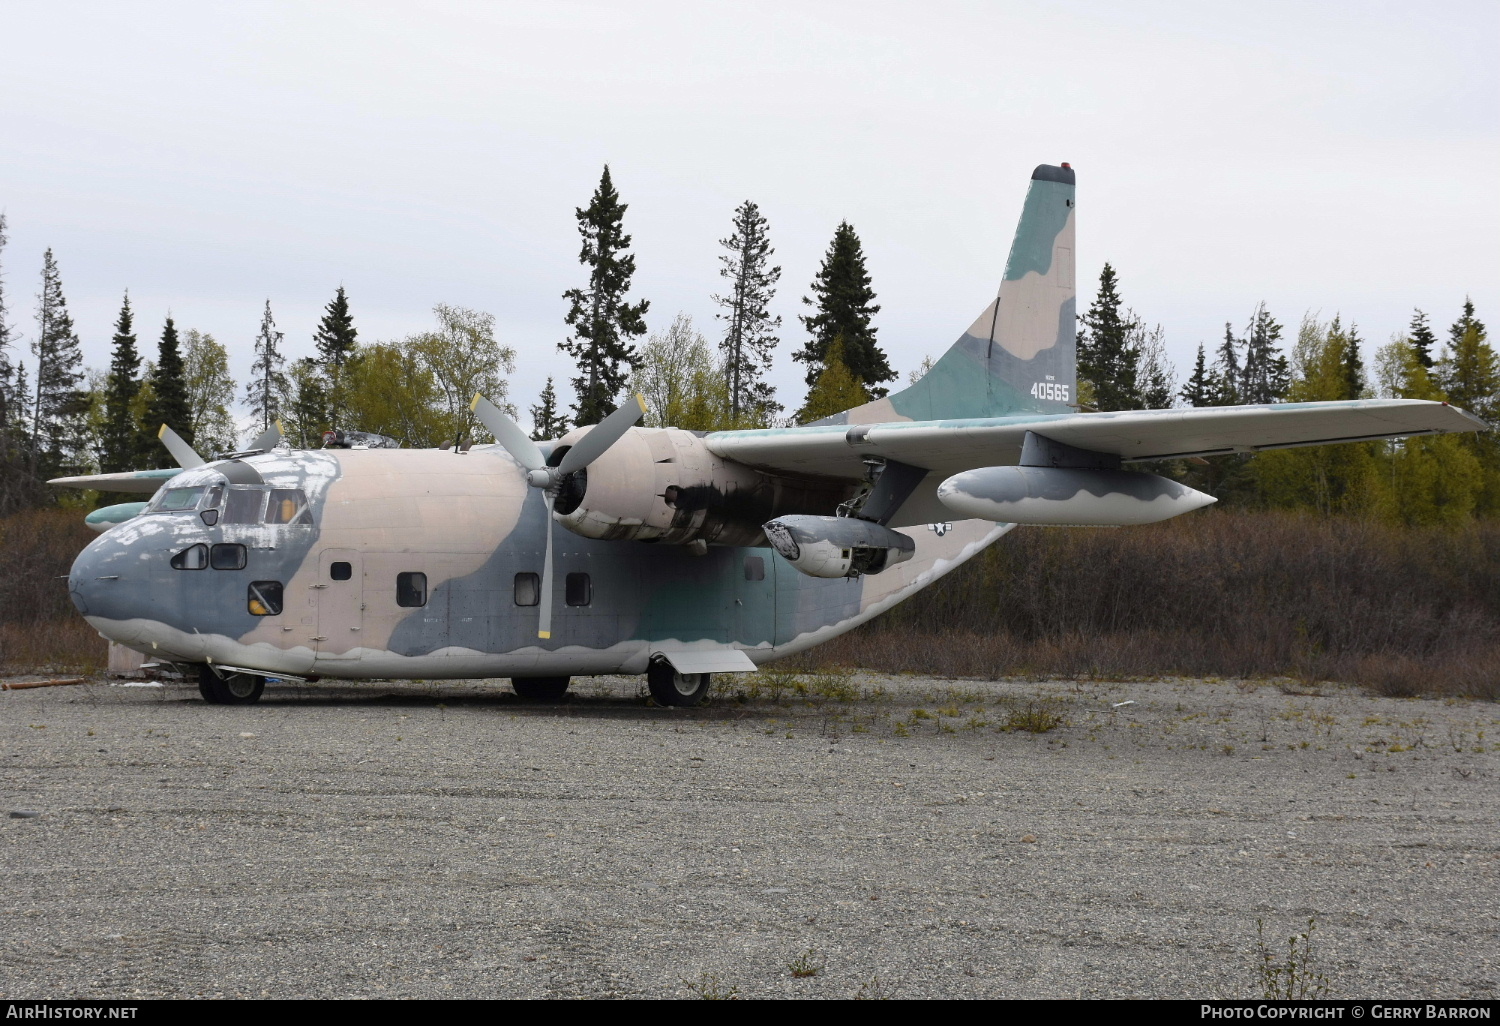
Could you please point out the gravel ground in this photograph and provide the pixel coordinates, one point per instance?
(445, 840)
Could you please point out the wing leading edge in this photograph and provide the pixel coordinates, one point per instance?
(950, 446)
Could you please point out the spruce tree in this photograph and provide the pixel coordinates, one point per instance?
(1463, 324)
(1422, 339)
(7, 365)
(1197, 390)
(58, 406)
(335, 339)
(845, 304)
(547, 421)
(1265, 375)
(1106, 357)
(1227, 372)
(266, 390)
(120, 445)
(169, 404)
(749, 336)
(1354, 365)
(603, 322)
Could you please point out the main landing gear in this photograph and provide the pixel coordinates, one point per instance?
(228, 687)
(669, 687)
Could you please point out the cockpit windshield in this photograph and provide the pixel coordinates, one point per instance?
(172, 500)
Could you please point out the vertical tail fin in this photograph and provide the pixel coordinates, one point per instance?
(1019, 355)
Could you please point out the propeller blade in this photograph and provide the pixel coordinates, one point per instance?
(509, 434)
(183, 453)
(268, 438)
(605, 434)
(544, 625)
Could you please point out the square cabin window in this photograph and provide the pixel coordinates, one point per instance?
(411, 589)
(264, 598)
(528, 589)
(580, 591)
(225, 556)
(340, 571)
(755, 568)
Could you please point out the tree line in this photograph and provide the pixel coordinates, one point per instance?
(58, 417)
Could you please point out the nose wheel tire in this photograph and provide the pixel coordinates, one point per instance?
(231, 688)
(669, 687)
(540, 689)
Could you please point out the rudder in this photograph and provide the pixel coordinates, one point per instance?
(1019, 355)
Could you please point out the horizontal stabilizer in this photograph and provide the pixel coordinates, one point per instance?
(138, 481)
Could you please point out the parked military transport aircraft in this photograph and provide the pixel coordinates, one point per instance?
(680, 554)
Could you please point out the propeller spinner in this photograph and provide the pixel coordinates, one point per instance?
(550, 479)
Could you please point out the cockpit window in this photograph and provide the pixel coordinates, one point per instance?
(288, 506)
(264, 598)
(244, 505)
(171, 500)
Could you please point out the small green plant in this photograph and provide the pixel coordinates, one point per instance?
(805, 965)
(1298, 977)
(710, 988)
(900, 730)
(872, 990)
(921, 714)
(774, 684)
(837, 685)
(1035, 717)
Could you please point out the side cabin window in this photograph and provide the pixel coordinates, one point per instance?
(243, 505)
(528, 589)
(288, 506)
(173, 500)
(194, 557)
(579, 590)
(411, 589)
(755, 568)
(226, 556)
(264, 598)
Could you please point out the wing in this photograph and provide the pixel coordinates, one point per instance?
(947, 447)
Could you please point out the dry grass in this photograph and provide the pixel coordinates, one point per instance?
(1402, 611)
(60, 646)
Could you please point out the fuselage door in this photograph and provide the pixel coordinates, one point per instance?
(340, 604)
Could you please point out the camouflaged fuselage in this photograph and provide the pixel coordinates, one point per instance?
(469, 524)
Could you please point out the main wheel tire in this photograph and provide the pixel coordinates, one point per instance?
(669, 687)
(230, 689)
(540, 689)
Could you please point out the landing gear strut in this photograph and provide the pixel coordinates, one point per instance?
(669, 687)
(232, 688)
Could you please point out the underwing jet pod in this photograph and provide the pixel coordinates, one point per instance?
(837, 546)
(625, 549)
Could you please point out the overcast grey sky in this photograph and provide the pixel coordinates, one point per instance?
(1337, 157)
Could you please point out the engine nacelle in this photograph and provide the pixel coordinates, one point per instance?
(837, 546)
(1063, 497)
(663, 484)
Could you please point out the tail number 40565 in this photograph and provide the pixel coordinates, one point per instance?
(1050, 390)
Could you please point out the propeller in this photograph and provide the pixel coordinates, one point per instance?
(267, 439)
(187, 458)
(550, 479)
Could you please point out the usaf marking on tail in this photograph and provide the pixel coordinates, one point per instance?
(680, 555)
